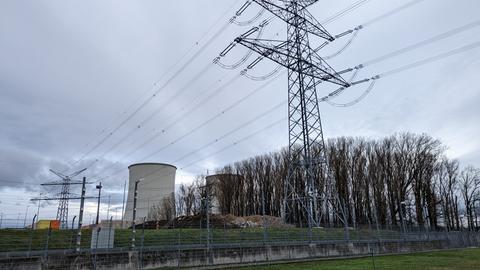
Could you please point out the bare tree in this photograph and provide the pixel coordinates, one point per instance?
(470, 188)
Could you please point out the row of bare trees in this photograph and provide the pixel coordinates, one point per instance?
(404, 179)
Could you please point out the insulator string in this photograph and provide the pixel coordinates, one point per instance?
(248, 22)
(355, 101)
(350, 41)
(264, 77)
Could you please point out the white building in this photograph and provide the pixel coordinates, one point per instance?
(156, 181)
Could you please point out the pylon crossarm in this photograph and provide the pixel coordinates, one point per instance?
(280, 9)
(280, 52)
(61, 175)
(77, 173)
(332, 75)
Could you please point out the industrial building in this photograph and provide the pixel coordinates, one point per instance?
(156, 181)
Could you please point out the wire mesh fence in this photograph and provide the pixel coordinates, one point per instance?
(218, 244)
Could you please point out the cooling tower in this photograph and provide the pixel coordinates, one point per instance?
(157, 181)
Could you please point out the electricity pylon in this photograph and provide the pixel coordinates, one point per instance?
(64, 196)
(306, 69)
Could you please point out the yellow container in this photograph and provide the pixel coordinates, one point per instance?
(45, 224)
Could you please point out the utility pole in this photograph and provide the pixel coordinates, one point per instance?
(306, 70)
(38, 209)
(25, 219)
(123, 202)
(264, 221)
(80, 217)
(108, 206)
(73, 221)
(99, 187)
(206, 190)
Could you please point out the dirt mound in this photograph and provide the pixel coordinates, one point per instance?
(219, 222)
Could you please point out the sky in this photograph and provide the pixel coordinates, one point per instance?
(105, 84)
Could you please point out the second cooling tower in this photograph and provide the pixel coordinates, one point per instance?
(156, 182)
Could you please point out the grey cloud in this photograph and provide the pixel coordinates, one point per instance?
(69, 70)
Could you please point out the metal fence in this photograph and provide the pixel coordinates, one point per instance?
(105, 244)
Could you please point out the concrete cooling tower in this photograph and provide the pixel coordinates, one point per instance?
(157, 181)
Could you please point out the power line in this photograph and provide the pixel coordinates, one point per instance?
(150, 117)
(354, 6)
(423, 43)
(191, 131)
(394, 11)
(174, 76)
(403, 68)
(231, 145)
(138, 147)
(408, 48)
(182, 116)
(435, 58)
(344, 12)
(206, 122)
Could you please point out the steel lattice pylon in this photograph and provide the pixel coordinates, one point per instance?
(64, 195)
(306, 69)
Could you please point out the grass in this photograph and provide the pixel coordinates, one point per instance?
(464, 259)
(19, 240)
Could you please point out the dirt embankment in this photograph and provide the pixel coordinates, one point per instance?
(218, 221)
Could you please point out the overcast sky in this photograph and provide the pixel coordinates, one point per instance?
(71, 72)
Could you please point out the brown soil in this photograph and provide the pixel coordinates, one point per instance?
(218, 221)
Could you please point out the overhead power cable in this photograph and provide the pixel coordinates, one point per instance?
(174, 76)
(203, 124)
(231, 131)
(353, 32)
(376, 20)
(413, 65)
(139, 146)
(425, 42)
(449, 33)
(406, 49)
(153, 114)
(344, 12)
(235, 143)
(180, 117)
(327, 21)
(392, 12)
(462, 49)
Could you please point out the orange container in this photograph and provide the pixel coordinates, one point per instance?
(45, 224)
(55, 224)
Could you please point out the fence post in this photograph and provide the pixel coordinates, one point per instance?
(73, 231)
(110, 232)
(31, 235)
(49, 232)
(96, 247)
(135, 195)
(140, 261)
(178, 249)
(373, 258)
(80, 218)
